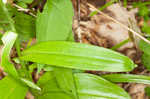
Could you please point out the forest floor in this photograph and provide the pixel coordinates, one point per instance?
(102, 31)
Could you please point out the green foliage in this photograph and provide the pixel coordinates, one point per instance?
(146, 28)
(88, 87)
(60, 19)
(13, 77)
(125, 3)
(127, 78)
(147, 90)
(24, 24)
(50, 88)
(55, 19)
(77, 56)
(56, 53)
(94, 87)
(30, 84)
(145, 47)
(145, 60)
(144, 12)
(8, 40)
(23, 3)
(12, 89)
(6, 21)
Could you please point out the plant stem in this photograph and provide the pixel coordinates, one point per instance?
(120, 44)
(103, 7)
(125, 3)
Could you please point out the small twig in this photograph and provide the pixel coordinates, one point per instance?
(78, 31)
(24, 10)
(124, 26)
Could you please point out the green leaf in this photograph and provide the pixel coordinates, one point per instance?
(129, 78)
(143, 11)
(12, 89)
(146, 60)
(147, 90)
(30, 84)
(78, 56)
(94, 87)
(25, 1)
(54, 21)
(145, 47)
(5, 17)
(8, 40)
(25, 26)
(88, 86)
(146, 28)
(19, 22)
(50, 88)
(65, 80)
(57, 16)
(22, 4)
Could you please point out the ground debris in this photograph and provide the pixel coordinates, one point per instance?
(100, 31)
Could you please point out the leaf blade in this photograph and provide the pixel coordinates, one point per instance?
(8, 40)
(129, 78)
(78, 56)
(11, 89)
(56, 14)
(95, 88)
(98, 88)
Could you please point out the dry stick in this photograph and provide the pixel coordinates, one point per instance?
(24, 10)
(124, 26)
(79, 31)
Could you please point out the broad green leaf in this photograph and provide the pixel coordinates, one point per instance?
(55, 21)
(64, 76)
(88, 86)
(12, 89)
(8, 40)
(129, 78)
(94, 87)
(78, 56)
